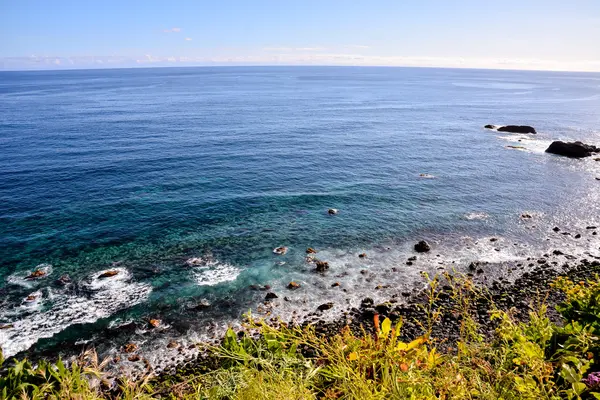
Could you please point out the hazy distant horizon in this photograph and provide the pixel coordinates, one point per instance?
(540, 35)
(232, 65)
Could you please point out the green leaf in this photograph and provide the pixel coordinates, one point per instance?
(579, 387)
(386, 327)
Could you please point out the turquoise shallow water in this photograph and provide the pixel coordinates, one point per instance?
(186, 179)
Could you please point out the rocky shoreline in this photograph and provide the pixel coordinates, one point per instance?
(530, 287)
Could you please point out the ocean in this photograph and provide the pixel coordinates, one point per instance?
(184, 180)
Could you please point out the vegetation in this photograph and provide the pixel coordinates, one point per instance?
(533, 359)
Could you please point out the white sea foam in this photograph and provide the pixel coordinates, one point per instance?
(20, 278)
(477, 215)
(213, 275)
(208, 272)
(107, 296)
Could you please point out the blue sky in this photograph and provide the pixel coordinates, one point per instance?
(525, 34)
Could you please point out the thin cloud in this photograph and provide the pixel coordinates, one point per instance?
(293, 49)
(172, 30)
(357, 46)
(188, 39)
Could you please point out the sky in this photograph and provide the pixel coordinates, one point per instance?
(508, 34)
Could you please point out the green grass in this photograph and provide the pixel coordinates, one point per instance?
(535, 359)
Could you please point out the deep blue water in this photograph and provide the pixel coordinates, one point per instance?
(185, 179)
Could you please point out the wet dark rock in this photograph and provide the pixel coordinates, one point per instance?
(310, 250)
(325, 306)
(322, 266)
(493, 239)
(422, 247)
(64, 280)
(134, 358)
(556, 229)
(526, 216)
(154, 323)
(130, 347)
(517, 129)
(367, 302)
(271, 296)
(202, 304)
(333, 211)
(383, 308)
(578, 236)
(6, 326)
(293, 285)
(172, 345)
(591, 227)
(406, 294)
(409, 263)
(557, 253)
(572, 149)
(335, 284)
(542, 261)
(480, 271)
(362, 255)
(413, 258)
(108, 274)
(38, 273)
(490, 127)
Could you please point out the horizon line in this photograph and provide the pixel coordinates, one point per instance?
(233, 65)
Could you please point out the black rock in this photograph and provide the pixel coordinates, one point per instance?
(556, 229)
(325, 306)
(413, 258)
(572, 149)
(490, 127)
(517, 129)
(322, 266)
(422, 247)
(557, 253)
(271, 296)
(578, 236)
(367, 302)
(383, 308)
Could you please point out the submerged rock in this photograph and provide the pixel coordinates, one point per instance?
(64, 280)
(6, 326)
(280, 250)
(362, 255)
(572, 149)
(310, 250)
(108, 274)
(332, 211)
(517, 129)
(422, 247)
(490, 127)
(526, 216)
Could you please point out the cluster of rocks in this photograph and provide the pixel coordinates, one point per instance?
(567, 149)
